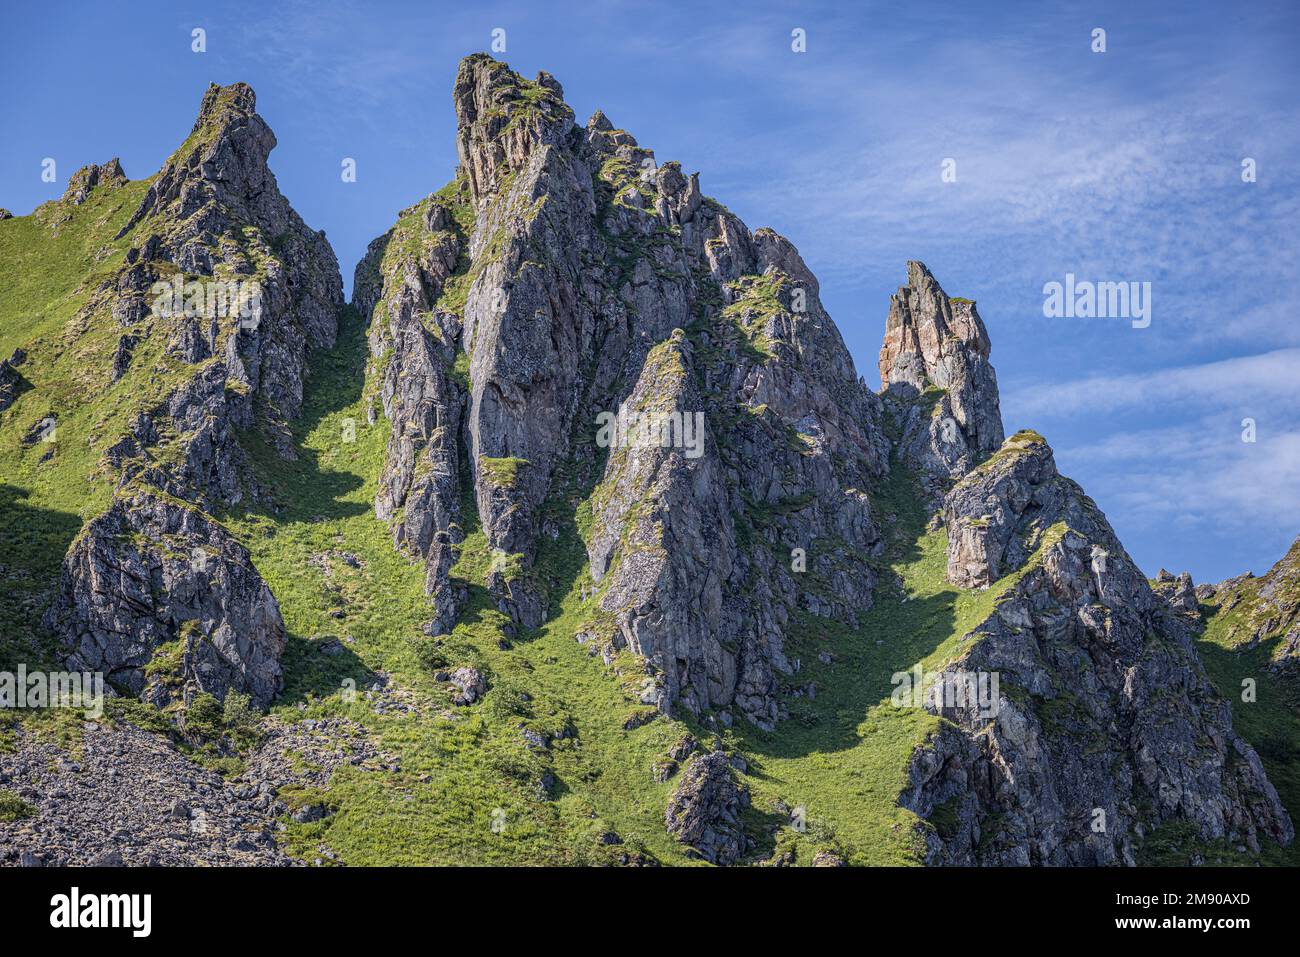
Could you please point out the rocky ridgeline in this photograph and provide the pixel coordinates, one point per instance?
(155, 569)
(1106, 725)
(566, 274)
(214, 213)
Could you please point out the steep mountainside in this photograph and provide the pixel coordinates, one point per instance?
(1262, 612)
(576, 538)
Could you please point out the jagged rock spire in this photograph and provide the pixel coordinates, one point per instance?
(502, 119)
(224, 162)
(212, 220)
(934, 340)
(937, 346)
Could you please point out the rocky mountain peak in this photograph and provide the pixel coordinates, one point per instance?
(604, 283)
(221, 165)
(1096, 655)
(254, 291)
(926, 332)
(502, 119)
(222, 105)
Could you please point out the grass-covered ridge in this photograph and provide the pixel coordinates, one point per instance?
(51, 263)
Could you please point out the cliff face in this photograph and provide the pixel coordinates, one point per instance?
(565, 279)
(219, 295)
(213, 213)
(148, 572)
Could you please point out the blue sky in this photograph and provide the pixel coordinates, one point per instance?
(1120, 166)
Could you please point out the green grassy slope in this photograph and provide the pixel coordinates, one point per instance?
(48, 269)
(843, 755)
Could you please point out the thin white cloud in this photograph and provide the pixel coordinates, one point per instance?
(1249, 383)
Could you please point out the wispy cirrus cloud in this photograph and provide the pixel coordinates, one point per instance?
(1253, 382)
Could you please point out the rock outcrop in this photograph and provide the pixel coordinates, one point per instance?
(151, 572)
(414, 347)
(80, 183)
(704, 812)
(997, 514)
(1178, 591)
(1106, 725)
(938, 382)
(566, 288)
(11, 380)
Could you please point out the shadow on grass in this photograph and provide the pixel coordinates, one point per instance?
(33, 541)
(305, 491)
(319, 668)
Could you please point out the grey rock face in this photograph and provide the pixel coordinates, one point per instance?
(11, 380)
(471, 683)
(151, 571)
(984, 512)
(938, 382)
(1106, 725)
(593, 280)
(414, 349)
(1179, 592)
(704, 812)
